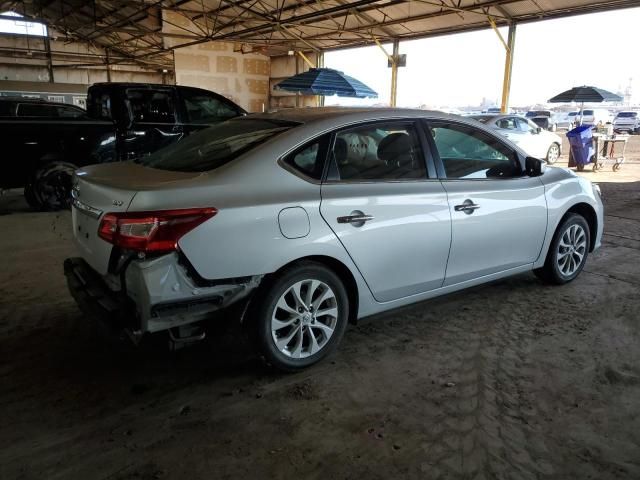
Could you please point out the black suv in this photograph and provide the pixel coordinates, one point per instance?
(45, 142)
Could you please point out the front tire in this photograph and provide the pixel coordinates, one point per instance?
(568, 251)
(553, 153)
(300, 317)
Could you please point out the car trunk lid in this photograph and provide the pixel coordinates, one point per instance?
(110, 188)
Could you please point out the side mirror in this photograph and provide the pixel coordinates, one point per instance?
(538, 130)
(534, 167)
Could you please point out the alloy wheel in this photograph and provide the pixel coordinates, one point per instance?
(304, 318)
(571, 250)
(553, 154)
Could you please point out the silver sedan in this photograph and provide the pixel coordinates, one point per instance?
(302, 221)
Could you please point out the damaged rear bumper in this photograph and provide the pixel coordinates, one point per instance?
(152, 295)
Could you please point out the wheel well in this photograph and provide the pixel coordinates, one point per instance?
(589, 214)
(343, 273)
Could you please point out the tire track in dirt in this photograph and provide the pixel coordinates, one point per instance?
(485, 431)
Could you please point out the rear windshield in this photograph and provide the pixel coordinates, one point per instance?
(217, 145)
(627, 114)
(587, 112)
(538, 113)
(482, 118)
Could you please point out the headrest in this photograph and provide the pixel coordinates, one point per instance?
(393, 146)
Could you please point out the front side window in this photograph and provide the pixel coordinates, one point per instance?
(215, 146)
(468, 153)
(151, 106)
(379, 152)
(526, 126)
(204, 108)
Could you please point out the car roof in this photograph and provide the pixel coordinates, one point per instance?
(39, 101)
(345, 114)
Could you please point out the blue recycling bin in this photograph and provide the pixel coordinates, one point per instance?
(581, 142)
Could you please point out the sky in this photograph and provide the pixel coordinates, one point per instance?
(460, 70)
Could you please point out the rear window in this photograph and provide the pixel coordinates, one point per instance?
(215, 146)
(587, 112)
(99, 104)
(482, 118)
(7, 109)
(627, 114)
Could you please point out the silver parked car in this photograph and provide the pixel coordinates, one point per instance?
(306, 220)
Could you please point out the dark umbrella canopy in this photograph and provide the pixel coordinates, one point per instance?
(586, 94)
(326, 81)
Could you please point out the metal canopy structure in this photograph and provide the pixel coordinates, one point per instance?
(132, 31)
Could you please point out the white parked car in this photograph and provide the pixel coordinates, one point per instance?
(527, 135)
(594, 116)
(628, 121)
(304, 220)
(566, 120)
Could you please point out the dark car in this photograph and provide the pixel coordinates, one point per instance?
(543, 118)
(45, 142)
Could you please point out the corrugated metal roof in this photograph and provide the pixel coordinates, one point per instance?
(146, 32)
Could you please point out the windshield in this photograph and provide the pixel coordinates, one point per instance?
(627, 114)
(216, 145)
(572, 114)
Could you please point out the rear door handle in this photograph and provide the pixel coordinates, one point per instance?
(467, 207)
(355, 219)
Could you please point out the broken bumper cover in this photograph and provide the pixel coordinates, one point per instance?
(160, 294)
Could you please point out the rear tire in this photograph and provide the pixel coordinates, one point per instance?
(568, 251)
(299, 317)
(52, 185)
(30, 197)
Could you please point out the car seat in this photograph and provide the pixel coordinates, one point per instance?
(396, 151)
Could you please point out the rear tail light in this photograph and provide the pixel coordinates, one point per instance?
(157, 231)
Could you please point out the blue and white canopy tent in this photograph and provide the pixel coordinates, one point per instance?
(326, 82)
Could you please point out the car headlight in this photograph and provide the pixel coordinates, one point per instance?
(597, 190)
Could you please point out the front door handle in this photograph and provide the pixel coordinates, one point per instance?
(357, 218)
(467, 207)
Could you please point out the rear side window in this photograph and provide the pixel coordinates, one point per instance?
(467, 153)
(215, 146)
(37, 110)
(379, 152)
(204, 108)
(68, 112)
(309, 159)
(99, 105)
(152, 106)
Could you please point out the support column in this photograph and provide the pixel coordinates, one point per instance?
(107, 65)
(320, 64)
(508, 67)
(394, 73)
(47, 46)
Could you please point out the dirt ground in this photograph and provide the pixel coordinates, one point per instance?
(513, 380)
